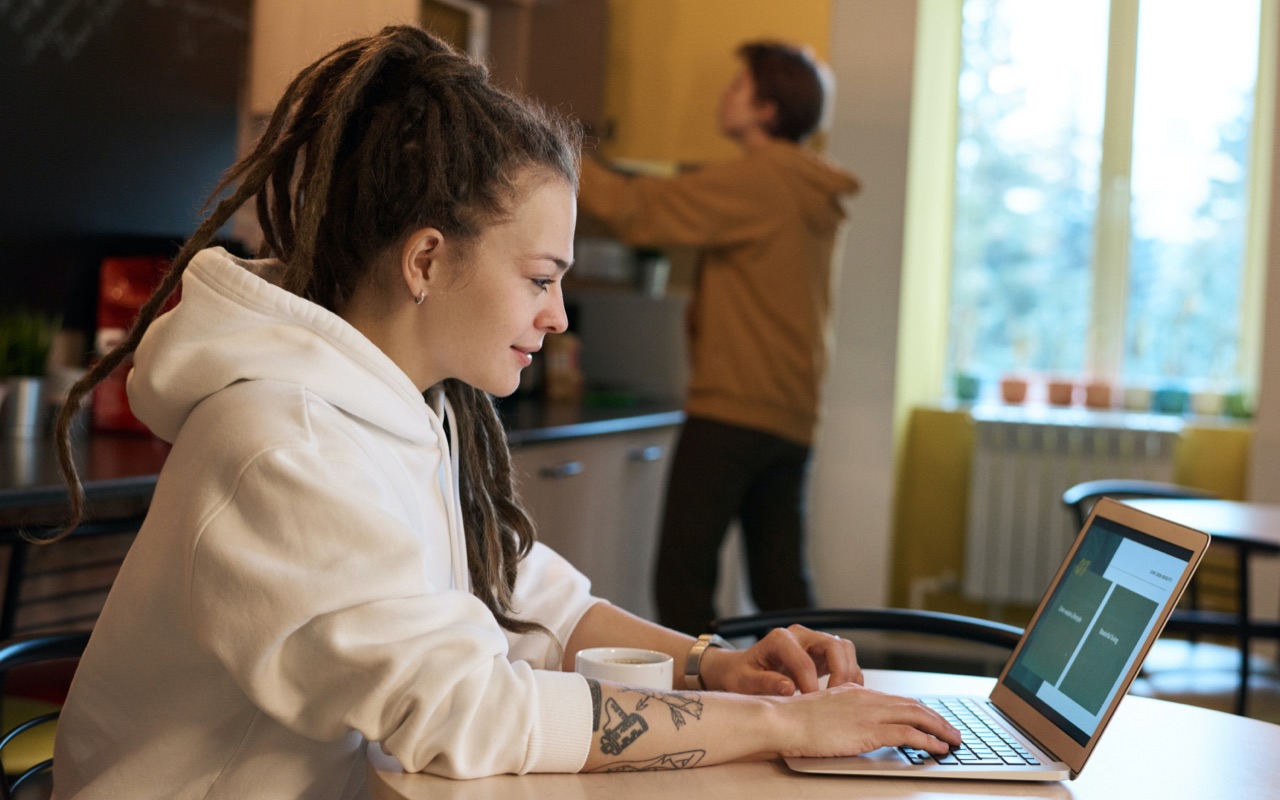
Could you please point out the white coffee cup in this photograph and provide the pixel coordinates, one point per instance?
(629, 666)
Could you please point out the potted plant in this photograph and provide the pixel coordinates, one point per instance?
(26, 338)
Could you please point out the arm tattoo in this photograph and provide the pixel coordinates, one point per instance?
(680, 703)
(594, 686)
(620, 728)
(670, 761)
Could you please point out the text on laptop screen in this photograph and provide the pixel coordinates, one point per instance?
(1090, 632)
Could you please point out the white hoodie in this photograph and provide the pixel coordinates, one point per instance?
(300, 586)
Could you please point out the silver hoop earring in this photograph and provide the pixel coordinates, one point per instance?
(422, 295)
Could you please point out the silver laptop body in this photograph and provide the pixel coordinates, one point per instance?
(1077, 657)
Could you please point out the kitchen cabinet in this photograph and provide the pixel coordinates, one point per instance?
(286, 36)
(551, 49)
(597, 500)
(669, 60)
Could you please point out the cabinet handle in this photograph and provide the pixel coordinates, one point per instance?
(645, 454)
(566, 470)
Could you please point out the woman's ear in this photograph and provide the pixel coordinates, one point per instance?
(419, 261)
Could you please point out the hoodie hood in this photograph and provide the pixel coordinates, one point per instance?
(817, 185)
(234, 324)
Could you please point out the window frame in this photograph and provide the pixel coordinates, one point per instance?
(929, 229)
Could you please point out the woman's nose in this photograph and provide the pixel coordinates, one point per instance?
(554, 319)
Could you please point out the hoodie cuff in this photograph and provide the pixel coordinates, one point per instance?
(562, 726)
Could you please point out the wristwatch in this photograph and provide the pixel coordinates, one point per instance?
(693, 661)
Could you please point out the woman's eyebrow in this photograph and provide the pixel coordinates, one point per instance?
(560, 263)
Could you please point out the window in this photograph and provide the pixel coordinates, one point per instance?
(1101, 215)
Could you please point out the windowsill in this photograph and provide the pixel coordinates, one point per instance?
(1081, 416)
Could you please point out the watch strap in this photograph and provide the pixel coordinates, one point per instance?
(693, 661)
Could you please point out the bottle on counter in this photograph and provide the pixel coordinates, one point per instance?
(562, 370)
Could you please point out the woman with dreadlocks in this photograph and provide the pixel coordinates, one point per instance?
(334, 554)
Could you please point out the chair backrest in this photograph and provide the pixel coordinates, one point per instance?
(1081, 497)
(24, 651)
(893, 620)
(904, 620)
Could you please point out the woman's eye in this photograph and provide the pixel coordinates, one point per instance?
(543, 283)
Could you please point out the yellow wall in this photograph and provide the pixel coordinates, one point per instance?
(669, 60)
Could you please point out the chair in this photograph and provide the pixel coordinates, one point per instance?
(63, 586)
(1081, 497)
(955, 627)
(20, 652)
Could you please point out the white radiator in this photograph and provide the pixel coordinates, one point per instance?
(1018, 530)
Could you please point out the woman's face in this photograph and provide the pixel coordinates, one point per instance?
(487, 311)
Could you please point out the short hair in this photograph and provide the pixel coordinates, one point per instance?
(792, 80)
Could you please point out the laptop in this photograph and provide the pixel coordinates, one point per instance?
(1076, 659)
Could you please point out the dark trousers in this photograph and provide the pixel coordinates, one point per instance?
(720, 473)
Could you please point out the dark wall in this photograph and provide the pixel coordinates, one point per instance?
(116, 119)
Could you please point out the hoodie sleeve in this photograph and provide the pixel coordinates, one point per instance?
(551, 591)
(314, 599)
(717, 205)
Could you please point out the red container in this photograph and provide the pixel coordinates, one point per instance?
(124, 285)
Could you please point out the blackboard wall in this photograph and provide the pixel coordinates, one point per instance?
(117, 118)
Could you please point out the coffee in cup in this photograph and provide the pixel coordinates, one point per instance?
(629, 666)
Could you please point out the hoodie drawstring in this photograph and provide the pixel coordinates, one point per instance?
(450, 488)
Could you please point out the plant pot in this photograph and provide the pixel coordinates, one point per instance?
(967, 387)
(1061, 392)
(1137, 398)
(1013, 390)
(24, 408)
(1097, 394)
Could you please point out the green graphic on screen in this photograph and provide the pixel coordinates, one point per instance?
(1062, 625)
(1108, 647)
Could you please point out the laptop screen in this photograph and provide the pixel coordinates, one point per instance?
(1092, 629)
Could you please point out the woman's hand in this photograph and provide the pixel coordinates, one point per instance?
(851, 719)
(785, 661)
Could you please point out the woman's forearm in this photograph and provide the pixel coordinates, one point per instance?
(636, 730)
(606, 625)
(765, 701)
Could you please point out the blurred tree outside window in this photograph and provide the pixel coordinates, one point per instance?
(1102, 193)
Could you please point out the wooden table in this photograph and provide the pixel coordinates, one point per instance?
(1248, 529)
(1152, 749)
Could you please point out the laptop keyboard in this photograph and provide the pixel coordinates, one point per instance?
(986, 743)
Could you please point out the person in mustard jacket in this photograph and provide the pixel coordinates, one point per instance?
(767, 224)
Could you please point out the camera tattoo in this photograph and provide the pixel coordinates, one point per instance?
(620, 728)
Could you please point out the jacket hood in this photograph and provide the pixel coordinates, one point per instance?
(234, 324)
(817, 185)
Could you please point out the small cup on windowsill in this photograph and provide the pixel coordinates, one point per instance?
(1208, 403)
(1013, 389)
(1061, 391)
(1097, 394)
(967, 386)
(1171, 400)
(1137, 398)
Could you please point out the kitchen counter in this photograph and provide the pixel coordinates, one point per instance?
(119, 471)
(535, 420)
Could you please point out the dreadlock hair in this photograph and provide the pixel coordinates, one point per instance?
(385, 135)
